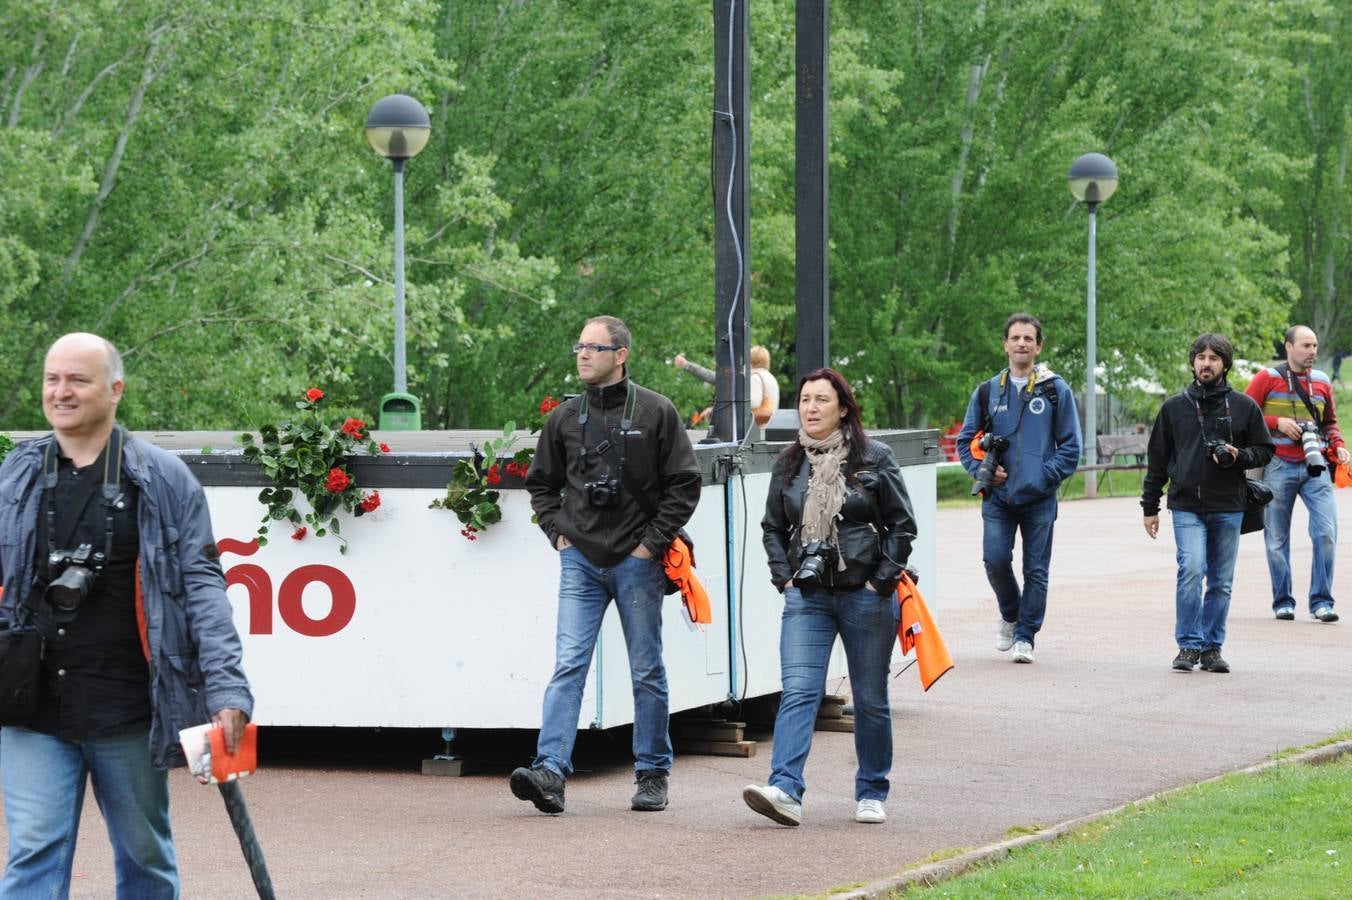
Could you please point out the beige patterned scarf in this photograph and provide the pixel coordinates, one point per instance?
(825, 485)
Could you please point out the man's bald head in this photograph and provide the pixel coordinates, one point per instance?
(84, 341)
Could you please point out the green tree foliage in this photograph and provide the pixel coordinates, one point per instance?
(950, 209)
(1312, 123)
(190, 179)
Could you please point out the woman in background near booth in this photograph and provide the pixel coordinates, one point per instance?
(763, 390)
(838, 531)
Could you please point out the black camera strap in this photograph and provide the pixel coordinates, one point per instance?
(1293, 382)
(61, 531)
(607, 449)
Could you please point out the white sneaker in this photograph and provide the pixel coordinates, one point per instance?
(1023, 652)
(773, 803)
(870, 812)
(1004, 635)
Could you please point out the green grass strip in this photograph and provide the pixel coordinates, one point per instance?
(1284, 832)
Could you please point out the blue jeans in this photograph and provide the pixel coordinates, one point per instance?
(867, 625)
(1034, 521)
(1207, 546)
(1289, 480)
(585, 590)
(44, 782)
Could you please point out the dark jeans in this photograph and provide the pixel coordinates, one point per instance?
(1034, 522)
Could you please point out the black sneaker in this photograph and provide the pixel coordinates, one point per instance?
(1186, 659)
(543, 787)
(1324, 614)
(1212, 661)
(1285, 613)
(651, 795)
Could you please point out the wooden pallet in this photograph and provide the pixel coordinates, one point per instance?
(712, 737)
(831, 715)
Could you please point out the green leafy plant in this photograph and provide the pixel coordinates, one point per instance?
(470, 493)
(310, 456)
(6, 445)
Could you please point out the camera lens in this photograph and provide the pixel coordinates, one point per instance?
(68, 590)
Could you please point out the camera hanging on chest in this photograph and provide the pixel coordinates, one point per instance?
(69, 571)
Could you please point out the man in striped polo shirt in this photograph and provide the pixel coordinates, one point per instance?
(1296, 397)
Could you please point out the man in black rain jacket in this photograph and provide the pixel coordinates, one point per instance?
(1203, 440)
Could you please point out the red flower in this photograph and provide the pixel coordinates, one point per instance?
(469, 533)
(384, 447)
(314, 395)
(514, 469)
(352, 428)
(371, 501)
(337, 481)
(547, 405)
(493, 476)
(299, 533)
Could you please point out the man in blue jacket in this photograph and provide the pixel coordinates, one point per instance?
(106, 546)
(1027, 415)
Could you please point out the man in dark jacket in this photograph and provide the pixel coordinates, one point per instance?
(593, 454)
(139, 642)
(1203, 440)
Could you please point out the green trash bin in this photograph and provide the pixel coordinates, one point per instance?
(400, 412)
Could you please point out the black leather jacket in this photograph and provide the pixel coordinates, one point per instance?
(876, 530)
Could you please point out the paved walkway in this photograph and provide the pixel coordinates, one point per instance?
(1100, 719)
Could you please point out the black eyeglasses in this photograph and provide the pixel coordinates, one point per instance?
(596, 348)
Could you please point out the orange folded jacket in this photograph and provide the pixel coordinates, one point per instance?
(917, 630)
(679, 563)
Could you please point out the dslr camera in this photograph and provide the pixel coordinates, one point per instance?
(1310, 446)
(1219, 449)
(603, 491)
(78, 571)
(816, 559)
(995, 447)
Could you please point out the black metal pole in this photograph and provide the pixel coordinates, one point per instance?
(732, 269)
(812, 195)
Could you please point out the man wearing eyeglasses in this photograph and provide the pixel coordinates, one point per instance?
(614, 478)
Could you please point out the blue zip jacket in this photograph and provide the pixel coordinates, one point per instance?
(195, 651)
(1044, 438)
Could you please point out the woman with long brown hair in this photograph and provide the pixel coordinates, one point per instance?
(838, 529)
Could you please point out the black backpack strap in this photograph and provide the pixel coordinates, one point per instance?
(983, 399)
(1049, 391)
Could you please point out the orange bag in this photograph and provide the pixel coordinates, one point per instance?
(679, 562)
(917, 630)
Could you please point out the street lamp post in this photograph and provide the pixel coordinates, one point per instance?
(1092, 179)
(398, 128)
